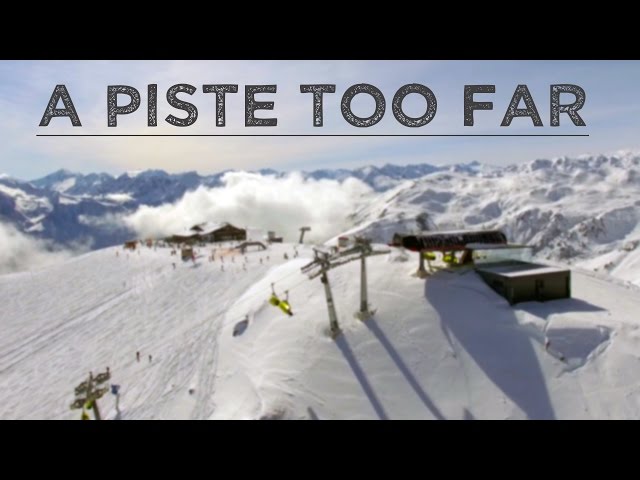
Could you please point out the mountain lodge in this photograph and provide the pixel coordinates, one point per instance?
(210, 233)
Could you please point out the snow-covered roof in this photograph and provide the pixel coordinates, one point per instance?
(520, 269)
(454, 232)
(204, 228)
(493, 246)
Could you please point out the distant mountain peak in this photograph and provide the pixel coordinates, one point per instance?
(60, 174)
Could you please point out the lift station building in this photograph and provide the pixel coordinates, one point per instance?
(507, 268)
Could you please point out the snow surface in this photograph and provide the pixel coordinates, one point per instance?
(26, 203)
(64, 200)
(36, 227)
(620, 263)
(444, 347)
(64, 185)
(118, 197)
(520, 270)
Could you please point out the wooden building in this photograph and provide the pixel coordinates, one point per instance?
(209, 233)
(130, 245)
(225, 233)
(271, 237)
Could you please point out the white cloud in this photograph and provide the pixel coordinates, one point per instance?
(265, 202)
(20, 252)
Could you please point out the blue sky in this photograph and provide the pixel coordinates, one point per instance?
(611, 112)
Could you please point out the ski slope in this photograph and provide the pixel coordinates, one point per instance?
(442, 348)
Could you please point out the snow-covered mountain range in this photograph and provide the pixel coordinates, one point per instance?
(62, 205)
(584, 211)
(573, 210)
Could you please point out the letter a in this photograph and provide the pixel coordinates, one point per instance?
(60, 92)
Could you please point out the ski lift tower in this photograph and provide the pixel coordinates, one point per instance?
(325, 261)
(89, 391)
(322, 264)
(302, 232)
(366, 251)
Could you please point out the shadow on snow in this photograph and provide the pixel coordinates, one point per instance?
(487, 331)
